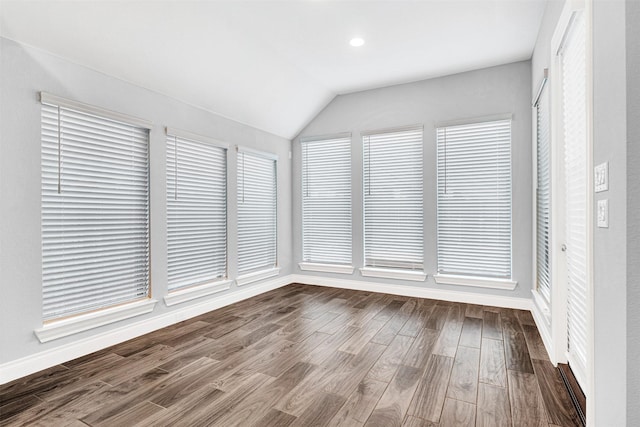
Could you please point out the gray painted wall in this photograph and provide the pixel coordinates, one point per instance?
(491, 91)
(633, 208)
(27, 71)
(610, 276)
(609, 144)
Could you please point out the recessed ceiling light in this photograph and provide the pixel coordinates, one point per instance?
(356, 42)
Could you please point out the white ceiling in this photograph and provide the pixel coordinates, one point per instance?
(275, 64)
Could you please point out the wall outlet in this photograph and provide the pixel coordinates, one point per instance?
(601, 177)
(603, 213)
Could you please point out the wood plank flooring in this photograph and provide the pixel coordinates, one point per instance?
(310, 356)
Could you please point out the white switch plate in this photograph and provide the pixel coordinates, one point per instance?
(601, 177)
(603, 213)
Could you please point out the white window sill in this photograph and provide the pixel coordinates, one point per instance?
(326, 268)
(390, 273)
(193, 292)
(83, 322)
(480, 282)
(257, 276)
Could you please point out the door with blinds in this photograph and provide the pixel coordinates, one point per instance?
(572, 58)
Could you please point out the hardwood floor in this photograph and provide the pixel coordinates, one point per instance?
(310, 356)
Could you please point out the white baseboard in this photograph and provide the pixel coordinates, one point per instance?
(417, 291)
(19, 368)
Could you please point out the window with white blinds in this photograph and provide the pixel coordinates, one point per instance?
(257, 211)
(574, 102)
(95, 210)
(196, 210)
(393, 201)
(326, 200)
(474, 199)
(543, 195)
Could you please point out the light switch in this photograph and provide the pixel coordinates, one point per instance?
(601, 177)
(603, 213)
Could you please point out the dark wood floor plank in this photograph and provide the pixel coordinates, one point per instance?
(492, 326)
(471, 335)
(493, 408)
(321, 413)
(411, 421)
(458, 414)
(360, 403)
(392, 406)
(133, 415)
(309, 355)
(527, 407)
(516, 352)
(347, 377)
(362, 337)
(558, 404)
(535, 345)
(449, 337)
(429, 398)
(438, 317)
(395, 324)
(493, 368)
(253, 409)
(387, 365)
(475, 311)
(421, 349)
(274, 418)
(418, 318)
(463, 383)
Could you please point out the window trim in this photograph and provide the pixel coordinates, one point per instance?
(472, 279)
(403, 273)
(329, 266)
(200, 289)
(60, 328)
(269, 271)
(71, 323)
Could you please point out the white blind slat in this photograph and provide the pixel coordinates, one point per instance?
(543, 196)
(326, 200)
(474, 199)
(393, 199)
(95, 211)
(257, 212)
(196, 211)
(575, 139)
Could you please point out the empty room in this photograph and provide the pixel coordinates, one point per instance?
(320, 213)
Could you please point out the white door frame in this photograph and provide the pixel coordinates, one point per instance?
(558, 262)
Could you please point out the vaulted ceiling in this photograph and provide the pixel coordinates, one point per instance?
(275, 64)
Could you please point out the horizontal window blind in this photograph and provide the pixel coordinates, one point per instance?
(196, 212)
(474, 199)
(574, 108)
(393, 201)
(257, 233)
(543, 196)
(95, 212)
(326, 200)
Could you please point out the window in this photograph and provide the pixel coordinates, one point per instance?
(196, 210)
(543, 193)
(326, 200)
(257, 234)
(474, 199)
(393, 207)
(95, 208)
